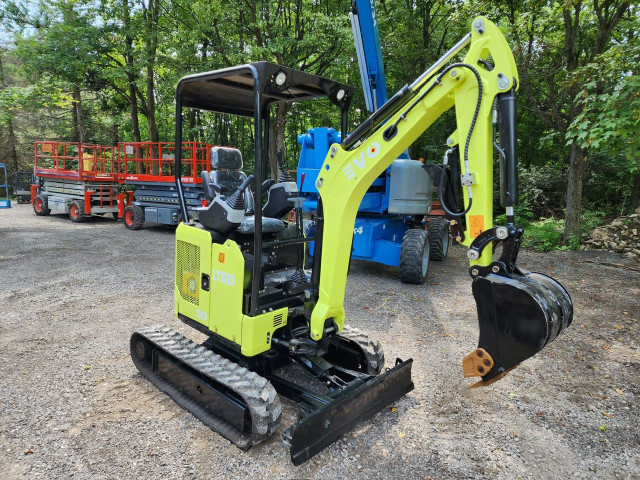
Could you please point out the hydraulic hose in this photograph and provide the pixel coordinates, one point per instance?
(391, 131)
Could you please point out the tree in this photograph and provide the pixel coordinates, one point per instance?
(556, 52)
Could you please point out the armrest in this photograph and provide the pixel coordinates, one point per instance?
(211, 190)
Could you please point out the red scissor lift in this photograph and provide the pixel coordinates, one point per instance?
(148, 168)
(75, 178)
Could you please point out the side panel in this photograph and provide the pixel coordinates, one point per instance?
(258, 331)
(227, 279)
(193, 258)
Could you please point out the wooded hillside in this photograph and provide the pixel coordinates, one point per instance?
(105, 71)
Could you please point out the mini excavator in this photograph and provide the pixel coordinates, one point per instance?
(275, 328)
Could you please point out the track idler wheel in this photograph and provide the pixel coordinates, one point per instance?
(519, 313)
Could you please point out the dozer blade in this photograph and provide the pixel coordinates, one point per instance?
(518, 317)
(327, 424)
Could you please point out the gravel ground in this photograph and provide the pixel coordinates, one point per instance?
(73, 405)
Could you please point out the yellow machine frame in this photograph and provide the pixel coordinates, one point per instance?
(346, 175)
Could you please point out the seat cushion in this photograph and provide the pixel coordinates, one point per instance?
(269, 225)
(226, 158)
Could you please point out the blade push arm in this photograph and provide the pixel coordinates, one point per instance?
(347, 173)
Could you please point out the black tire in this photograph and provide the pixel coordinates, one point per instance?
(414, 256)
(439, 239)
(133, 217)
(40, 206)
(76, 211)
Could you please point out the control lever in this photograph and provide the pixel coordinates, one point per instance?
(211, 190)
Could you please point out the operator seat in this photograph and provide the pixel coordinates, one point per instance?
(226, 172)
(231, 206)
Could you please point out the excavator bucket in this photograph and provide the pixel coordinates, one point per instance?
(519, 314)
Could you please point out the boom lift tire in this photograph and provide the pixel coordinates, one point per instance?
(414, 256)
(76, 211)
(439, 239)
(40, 206)
(133, 217)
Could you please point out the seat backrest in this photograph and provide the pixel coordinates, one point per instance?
(226, 166)
(229, 181)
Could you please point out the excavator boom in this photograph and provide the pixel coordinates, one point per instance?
(479, 87)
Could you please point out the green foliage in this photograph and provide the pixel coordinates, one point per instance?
(609, 122)
(546, 234)
(586, 95)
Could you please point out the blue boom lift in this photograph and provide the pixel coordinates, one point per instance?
(4, 202)
(390, 226)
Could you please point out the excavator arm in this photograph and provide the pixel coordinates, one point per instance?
(478, 87)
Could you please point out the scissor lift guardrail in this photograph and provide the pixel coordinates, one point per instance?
(149, 167)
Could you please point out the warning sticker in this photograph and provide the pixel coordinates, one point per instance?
(476, 225)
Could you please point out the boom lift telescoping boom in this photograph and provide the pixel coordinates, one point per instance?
(392, 216)
(239, 278)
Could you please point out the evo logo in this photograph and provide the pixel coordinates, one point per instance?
(223, 277)
(372, 152)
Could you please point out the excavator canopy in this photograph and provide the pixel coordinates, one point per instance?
(245, 89)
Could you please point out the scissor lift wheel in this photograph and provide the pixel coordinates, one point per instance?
(133, 217)
(40, 206)
(76, 211)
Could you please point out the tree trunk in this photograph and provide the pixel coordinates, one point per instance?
(151, 47)
(131, 77)
(577, 164)
(151, 105)
(11, 136)
(635, 190)
(276, 138)
(78, 122)
(116, 135)
(191, 116)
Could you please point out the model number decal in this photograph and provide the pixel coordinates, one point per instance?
(358, 230)
(223, 277)
(372, 152)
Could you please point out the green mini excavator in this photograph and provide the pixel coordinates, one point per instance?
(275, 328)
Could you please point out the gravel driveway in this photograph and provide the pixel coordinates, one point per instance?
(73, 405)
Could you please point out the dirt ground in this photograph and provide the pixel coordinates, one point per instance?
(73, 405)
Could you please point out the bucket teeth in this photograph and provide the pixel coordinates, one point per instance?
(477, 363)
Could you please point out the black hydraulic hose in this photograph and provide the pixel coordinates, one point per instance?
(391, 131)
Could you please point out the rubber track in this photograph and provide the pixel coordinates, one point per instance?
(256, 391)
(372, 348)
(436, 231)
(413, 244)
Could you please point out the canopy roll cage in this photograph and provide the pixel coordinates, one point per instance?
(250, 90)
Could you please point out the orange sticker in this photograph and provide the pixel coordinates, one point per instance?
(476, 225)
(47, 148)
(221, 257)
